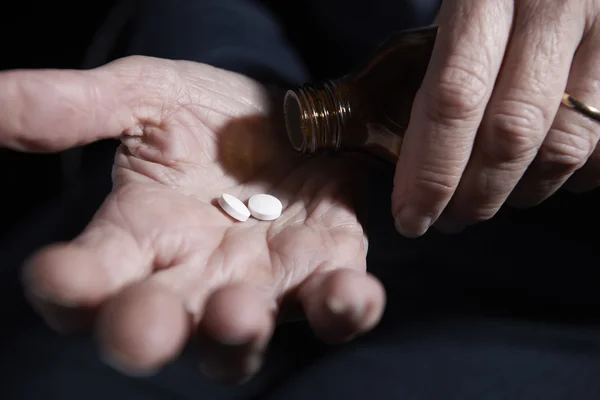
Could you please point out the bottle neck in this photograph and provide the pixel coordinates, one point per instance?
(315, 117)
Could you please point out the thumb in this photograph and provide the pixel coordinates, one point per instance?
(53, 110)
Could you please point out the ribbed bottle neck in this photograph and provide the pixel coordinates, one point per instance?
(316, 116)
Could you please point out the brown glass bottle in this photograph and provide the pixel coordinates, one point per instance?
(366, 111)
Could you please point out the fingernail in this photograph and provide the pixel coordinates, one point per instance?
(117, 363)
(55, 325)
(234, 340)
(350, 337)
(411, 224)
(214, 372)
(224, 375)
(354, 310)
(253, 364)
(373, 316)
(448, 226)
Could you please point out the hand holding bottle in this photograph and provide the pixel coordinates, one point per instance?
(160, 263)
(487, 124)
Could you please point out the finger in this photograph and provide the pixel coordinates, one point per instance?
(588, 177)
(448, 110)
(526, 98)
(572, 138)
(46, 111)
(143, 328)
(234, 332)
(67, 282)
(341, 304)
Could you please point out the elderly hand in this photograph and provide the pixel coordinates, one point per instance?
(160, 262)
(488, 125)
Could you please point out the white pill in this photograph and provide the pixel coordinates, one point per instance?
(234, 207)
(265, 207)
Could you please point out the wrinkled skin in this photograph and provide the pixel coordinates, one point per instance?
(487, 126)
(160, 263)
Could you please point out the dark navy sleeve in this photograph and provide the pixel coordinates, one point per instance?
(237, 35)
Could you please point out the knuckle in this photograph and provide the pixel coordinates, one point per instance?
(459, 92)
(479, 204)
(514, 131)
(435, 185)
(565, 151)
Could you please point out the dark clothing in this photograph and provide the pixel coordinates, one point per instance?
(506, 310)
(274, 41)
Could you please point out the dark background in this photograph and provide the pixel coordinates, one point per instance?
(511, 273)
(58, 34)
(41, 34)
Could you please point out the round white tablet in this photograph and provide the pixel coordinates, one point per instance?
(265, 207)
(234, 207)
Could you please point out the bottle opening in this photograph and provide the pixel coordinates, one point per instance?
(294, 120)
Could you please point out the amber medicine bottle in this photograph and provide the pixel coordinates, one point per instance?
(366, 111)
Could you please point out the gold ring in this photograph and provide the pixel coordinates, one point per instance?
(583, 108)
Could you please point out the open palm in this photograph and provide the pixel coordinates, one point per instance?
(160, 262)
